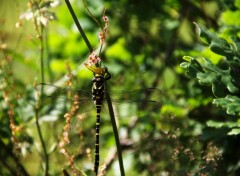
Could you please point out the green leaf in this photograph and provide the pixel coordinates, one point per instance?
(192, 67)
(234, 131)
(215, 58)
(235, 128)
(216, 124)
(208, 73)
(219, 45)
(236, 44)
(230, 103)
(171, 109)
(188, 58)
(205, 34)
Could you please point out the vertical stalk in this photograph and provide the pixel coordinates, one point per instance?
(79, 26)
(42, 141)
(41, 55)
(47, 56)
(115, 131)
(37, 106)
(40, 36)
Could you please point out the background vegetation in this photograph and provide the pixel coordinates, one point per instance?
(195, 130)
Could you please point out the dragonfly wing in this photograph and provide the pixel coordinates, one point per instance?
(125, 101)
(54, 94)
(129, 103)
(141, 95)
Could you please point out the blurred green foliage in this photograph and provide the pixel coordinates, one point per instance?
(186, 135)
(224, 78)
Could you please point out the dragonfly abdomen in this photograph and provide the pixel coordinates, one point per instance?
(97, 96)
(97, 157)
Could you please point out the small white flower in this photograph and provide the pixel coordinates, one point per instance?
(55, 3)
(41, 14)
(43, 20)
(27, 15)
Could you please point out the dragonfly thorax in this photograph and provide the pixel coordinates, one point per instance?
(98, 89)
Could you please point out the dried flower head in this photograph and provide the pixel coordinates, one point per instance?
(103, 34)
(93, 59)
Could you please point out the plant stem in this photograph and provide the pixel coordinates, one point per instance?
(115, 131)
(41, 140)
(37, 106)
(41, 54)
(79, 26)
(47, 55)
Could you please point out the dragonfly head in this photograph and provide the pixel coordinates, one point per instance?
(99, 71)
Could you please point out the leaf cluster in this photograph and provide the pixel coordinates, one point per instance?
(224, 77)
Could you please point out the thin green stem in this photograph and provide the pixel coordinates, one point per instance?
(37, 106)
(42, 141)
(90, 48)
(115, 131)
(41, 55)
(47, 55)
(91, 15)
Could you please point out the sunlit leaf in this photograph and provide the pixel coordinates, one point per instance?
(234, 131)
(230, 103)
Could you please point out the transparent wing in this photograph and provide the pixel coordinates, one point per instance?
(123, 101)
(55, 94)
(139, 95)
(65, 93)
(131, 103)
(148, 95)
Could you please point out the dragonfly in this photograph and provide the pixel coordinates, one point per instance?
(98, 96)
